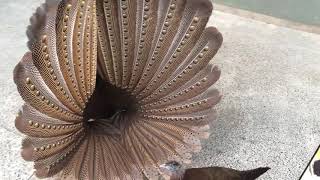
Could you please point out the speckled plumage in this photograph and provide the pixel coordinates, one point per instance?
(115, 88)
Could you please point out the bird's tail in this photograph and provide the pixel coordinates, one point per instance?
(254, 173)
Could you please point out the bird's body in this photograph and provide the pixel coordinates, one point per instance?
(221, 173)
(175, 171)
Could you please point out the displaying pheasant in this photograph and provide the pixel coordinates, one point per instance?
(175, 171)
(115, 88)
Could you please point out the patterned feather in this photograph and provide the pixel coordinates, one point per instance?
(113, 89)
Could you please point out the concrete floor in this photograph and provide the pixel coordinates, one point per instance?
(269, 115)
(271, 107)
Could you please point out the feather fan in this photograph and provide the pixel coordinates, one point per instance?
(115, 88)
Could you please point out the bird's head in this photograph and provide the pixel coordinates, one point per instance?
(172, 169)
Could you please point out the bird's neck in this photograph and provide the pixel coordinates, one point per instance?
(178, 175)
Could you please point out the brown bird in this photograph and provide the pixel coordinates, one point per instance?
(175, 171)
(113, 89)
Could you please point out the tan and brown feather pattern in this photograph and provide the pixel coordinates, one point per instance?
(115, 88)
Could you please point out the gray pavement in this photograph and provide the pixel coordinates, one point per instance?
(14, 18)
(270, 113)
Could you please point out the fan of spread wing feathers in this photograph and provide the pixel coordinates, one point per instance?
(115, 88)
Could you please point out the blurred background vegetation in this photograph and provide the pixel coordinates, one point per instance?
(303, 11)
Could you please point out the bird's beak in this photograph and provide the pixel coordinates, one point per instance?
(163, 166)
(165, 172)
